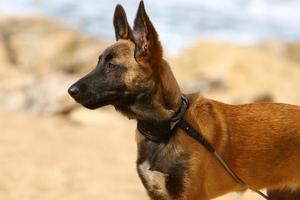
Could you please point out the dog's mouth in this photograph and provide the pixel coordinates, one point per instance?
(95, 105)
(108, 98)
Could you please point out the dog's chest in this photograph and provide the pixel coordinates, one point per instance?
(162, 170)
(154, 181)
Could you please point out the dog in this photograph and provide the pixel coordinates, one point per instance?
(260, 142)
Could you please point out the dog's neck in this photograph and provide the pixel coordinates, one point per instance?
(159, 104)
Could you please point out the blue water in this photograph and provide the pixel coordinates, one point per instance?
(179, 22)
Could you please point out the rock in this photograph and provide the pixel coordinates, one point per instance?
(241, 72)
(37, 56)
(40, 45)
(39, 94)
(288, 50)
(263, 98)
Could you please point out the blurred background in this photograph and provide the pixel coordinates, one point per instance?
(235, 51)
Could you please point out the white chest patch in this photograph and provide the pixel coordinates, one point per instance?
(155, 180)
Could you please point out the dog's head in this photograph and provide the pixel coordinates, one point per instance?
(125, 70)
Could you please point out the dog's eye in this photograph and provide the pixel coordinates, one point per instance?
(110, 66)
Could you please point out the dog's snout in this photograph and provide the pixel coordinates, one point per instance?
(73, 90)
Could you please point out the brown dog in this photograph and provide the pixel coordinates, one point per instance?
(260, 142)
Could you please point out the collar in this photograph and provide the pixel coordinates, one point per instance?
(162, 131)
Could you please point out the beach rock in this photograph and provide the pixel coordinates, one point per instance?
(242, 73)
(37, 44)
(37, 59)
(263, 98)
(287, 50)
(38, 94)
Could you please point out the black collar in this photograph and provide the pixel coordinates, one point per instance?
(162, 131)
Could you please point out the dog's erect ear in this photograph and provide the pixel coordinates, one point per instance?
(122, 28)
(146, 37)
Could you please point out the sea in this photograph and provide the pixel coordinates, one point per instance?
(179, 22)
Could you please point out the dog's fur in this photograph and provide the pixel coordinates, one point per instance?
(260, 142)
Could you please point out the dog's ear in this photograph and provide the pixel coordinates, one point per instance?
(146, 38)
(122, 28)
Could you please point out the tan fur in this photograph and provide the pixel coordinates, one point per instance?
(260, 142)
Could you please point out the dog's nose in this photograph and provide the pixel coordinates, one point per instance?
(73, 90)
